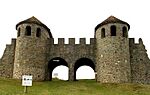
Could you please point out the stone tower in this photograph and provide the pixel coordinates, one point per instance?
(30, 52)
(112, 51)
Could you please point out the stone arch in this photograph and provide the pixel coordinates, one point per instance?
(53, 63)
(83, 62)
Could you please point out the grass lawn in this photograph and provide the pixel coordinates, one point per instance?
(82, 87)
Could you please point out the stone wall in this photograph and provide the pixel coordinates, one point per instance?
(140, 62)
(7, 60)
(71, 52)
(32, 54)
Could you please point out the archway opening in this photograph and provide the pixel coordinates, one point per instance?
(81, 63)
(60, 72)
(85, 72)
(58, 64)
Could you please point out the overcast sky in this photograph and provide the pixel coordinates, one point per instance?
(74, 18)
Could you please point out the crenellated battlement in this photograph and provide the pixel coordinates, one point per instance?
(13, 41)
(72, 41)
(132, 41)
(136, 46)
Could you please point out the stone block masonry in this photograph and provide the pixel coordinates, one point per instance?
(113, 56)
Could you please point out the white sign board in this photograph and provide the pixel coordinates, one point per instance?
(26, 80)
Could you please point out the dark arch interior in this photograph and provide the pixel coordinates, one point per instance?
(28, 31)
(124, 31)
(53, 63)
(113, 30)
(103, 33)
(18, 32)
(38, 32)
(83, 62)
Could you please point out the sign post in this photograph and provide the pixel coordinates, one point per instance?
(25, 89)
(26, 81)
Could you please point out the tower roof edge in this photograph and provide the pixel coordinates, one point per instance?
(112, 19)
(34, 20)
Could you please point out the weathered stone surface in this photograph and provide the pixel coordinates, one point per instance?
(7, 60)
(113, 56)
(113, 60)
(140, 63)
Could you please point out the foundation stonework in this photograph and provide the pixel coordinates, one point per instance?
(113, 56)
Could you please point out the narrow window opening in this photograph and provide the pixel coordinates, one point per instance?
(28, 31)
(113, 30)
(103, 33)
(38, 32)
(18, 32)
(124, 31)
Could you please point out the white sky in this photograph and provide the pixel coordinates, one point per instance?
(74, 18)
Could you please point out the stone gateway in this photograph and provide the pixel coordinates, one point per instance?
(113, 56)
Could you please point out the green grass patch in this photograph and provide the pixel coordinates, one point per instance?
(82, 87)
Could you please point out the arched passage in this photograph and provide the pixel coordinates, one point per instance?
(80, 73)
(53, 63)
(83, 62)
(60, 72)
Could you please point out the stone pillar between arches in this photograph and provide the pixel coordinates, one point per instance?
(71, 74)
